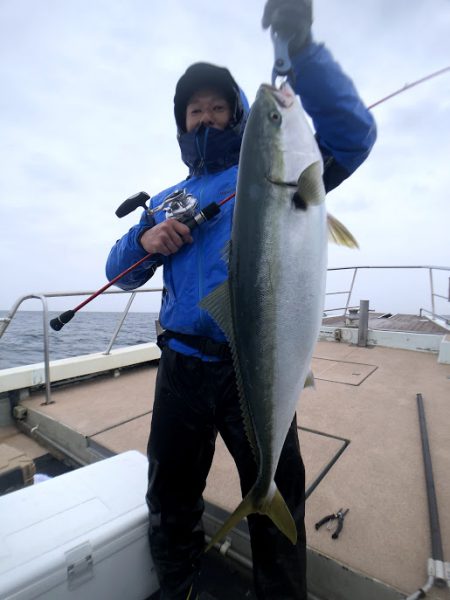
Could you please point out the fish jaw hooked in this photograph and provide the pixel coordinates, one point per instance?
(284, 95)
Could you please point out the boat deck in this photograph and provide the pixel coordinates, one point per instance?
(362, 414)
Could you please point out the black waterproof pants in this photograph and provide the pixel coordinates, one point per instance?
(194, 400)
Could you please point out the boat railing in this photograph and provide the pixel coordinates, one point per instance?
(432, 314)
(43, 297)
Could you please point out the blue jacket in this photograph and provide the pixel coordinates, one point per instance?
(345, 133)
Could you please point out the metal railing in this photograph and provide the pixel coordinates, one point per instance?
(5, 321)
(433, 295)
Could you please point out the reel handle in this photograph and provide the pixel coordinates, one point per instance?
(132, 203)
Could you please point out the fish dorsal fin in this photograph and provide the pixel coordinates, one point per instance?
(310, 187)
(218, 305)
(339, 234)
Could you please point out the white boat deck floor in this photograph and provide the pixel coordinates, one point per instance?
(364, 395)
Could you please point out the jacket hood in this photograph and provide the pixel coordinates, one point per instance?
(206, 149)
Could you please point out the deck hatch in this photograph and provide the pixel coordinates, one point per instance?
(340, 371)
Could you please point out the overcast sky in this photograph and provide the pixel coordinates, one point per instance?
(86, 120)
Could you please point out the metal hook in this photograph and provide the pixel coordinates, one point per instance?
(282, 65)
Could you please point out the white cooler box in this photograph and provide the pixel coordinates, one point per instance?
(82, 535)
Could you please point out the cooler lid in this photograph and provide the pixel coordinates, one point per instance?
(86, 502)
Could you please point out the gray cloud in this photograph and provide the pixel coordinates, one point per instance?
(86, 120)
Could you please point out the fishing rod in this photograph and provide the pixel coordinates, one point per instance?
(283, 67)
(174, 207)
(177, 202)
(408, 86)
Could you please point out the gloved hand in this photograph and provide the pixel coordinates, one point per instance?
(290, 19)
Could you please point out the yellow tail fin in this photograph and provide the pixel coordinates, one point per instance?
(276, 510)
(281, 516)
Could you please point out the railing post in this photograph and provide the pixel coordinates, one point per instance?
(120, 323)
(430, 271)
(363, 326)
(48, 399)
(5, 321)
(350, 291)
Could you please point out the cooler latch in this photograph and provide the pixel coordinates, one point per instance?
(80, 565)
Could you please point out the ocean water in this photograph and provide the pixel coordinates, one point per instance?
(23, 343)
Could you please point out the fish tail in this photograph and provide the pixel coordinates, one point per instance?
(244, 509)
(281, 516)
(276, 510)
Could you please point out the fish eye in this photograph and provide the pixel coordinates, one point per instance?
(275, 116)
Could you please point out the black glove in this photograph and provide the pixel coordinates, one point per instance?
(290, 19)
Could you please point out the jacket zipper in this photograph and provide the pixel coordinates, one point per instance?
(202, 152)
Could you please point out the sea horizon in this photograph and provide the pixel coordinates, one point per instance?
(89, 332)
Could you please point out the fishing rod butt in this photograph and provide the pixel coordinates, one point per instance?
(58, 322)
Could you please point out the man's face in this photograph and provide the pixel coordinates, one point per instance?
(207, 106)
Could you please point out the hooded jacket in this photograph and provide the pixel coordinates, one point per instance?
(345, 132)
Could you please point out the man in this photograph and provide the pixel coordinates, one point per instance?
(196, 395)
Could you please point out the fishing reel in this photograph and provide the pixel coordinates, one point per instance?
(178, 205)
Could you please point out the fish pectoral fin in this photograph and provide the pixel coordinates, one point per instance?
(276, 510)
(339, 234)
(310, 187)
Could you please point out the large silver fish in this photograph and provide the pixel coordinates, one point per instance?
(270, 308)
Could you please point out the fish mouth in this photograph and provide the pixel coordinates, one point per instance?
(284, 95)
(281, 183)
